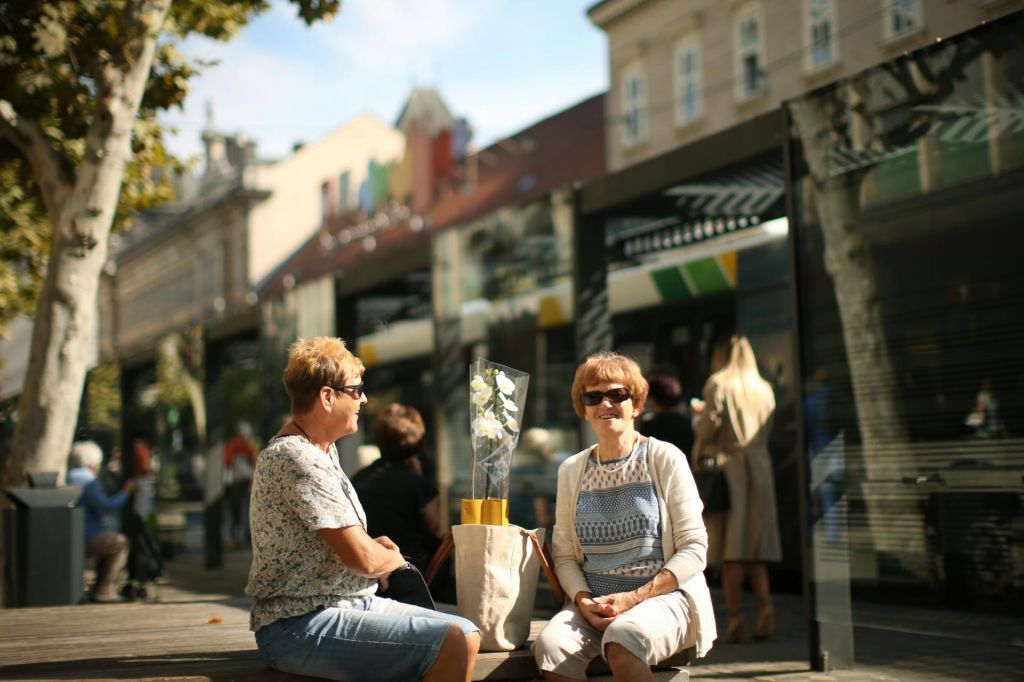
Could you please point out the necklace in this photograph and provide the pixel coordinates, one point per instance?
(619, 460)
(304, 434)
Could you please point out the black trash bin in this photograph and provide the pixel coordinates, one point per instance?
(45, 541)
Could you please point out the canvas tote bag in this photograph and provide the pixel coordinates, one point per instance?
(496, 569)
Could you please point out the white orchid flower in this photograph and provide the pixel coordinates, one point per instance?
(488, 426)
(482, 395)
(504, 384)
(509, 405)
(512, 424)
(478, 383)
(482, 427)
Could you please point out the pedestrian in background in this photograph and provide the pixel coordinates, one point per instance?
(532, 482)
(109, 547)
(401, 502)
(144, 502)
(734, 420)
(239, 461)
(665, 419)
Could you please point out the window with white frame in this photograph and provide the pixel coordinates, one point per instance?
(749, 53)
(634, 105)
(901, 16)
(821, 36)
(688, 80)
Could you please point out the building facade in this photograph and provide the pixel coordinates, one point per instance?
(680, 71)
(886, 319)
(178, 302)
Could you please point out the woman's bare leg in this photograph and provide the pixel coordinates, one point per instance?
(456, 658)
(732, 585)
(625, 666)
(758, 573)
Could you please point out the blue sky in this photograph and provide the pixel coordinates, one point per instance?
(503, 64)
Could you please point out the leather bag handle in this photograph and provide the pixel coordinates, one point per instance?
(544, 556)
(447, 544)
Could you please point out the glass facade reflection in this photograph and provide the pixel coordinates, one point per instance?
(906, 184)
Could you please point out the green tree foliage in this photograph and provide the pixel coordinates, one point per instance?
(104, 397)
(53, 57)
(24, 242)
(81, 85)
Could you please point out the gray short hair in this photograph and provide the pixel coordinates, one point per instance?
(86, 453)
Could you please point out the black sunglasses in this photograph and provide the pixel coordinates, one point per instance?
(616, 395)
(355, 390)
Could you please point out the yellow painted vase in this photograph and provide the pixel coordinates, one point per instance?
(490, 511)
(471, 513)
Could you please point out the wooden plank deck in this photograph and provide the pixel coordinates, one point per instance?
(185, 642)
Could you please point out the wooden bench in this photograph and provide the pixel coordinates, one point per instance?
(188, 641)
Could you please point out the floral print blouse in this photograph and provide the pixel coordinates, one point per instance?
(297, 489)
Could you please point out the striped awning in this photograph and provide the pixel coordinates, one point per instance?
(753, 190)
(710, 207)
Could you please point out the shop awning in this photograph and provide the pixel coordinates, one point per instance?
(709, 207)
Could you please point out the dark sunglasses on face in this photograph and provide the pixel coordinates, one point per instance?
(616, 395)
(355, 390)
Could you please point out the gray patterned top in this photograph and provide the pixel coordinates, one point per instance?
(297, 489)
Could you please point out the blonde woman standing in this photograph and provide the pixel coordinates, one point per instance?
(735, 419)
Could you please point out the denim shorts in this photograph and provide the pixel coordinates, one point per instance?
(377, 639)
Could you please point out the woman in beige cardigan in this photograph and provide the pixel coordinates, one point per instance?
(628, 544)
(735, 419)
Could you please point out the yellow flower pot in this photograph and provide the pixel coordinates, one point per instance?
(491, 511)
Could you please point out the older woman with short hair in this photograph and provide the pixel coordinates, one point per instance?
(629, 543)
(315, 570)
(109, 547)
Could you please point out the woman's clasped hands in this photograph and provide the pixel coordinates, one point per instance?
(601, 611)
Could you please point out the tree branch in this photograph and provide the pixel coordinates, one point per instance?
(120, 79)
(900, 71)
(28, 137)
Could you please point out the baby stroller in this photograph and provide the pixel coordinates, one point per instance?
(145, 564)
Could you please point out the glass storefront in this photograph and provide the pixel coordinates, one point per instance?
(906, 188)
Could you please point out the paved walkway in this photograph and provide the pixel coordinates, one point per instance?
(889, 643)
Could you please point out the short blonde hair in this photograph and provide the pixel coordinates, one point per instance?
(315, 363)
(608, 367)
(86, 453)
